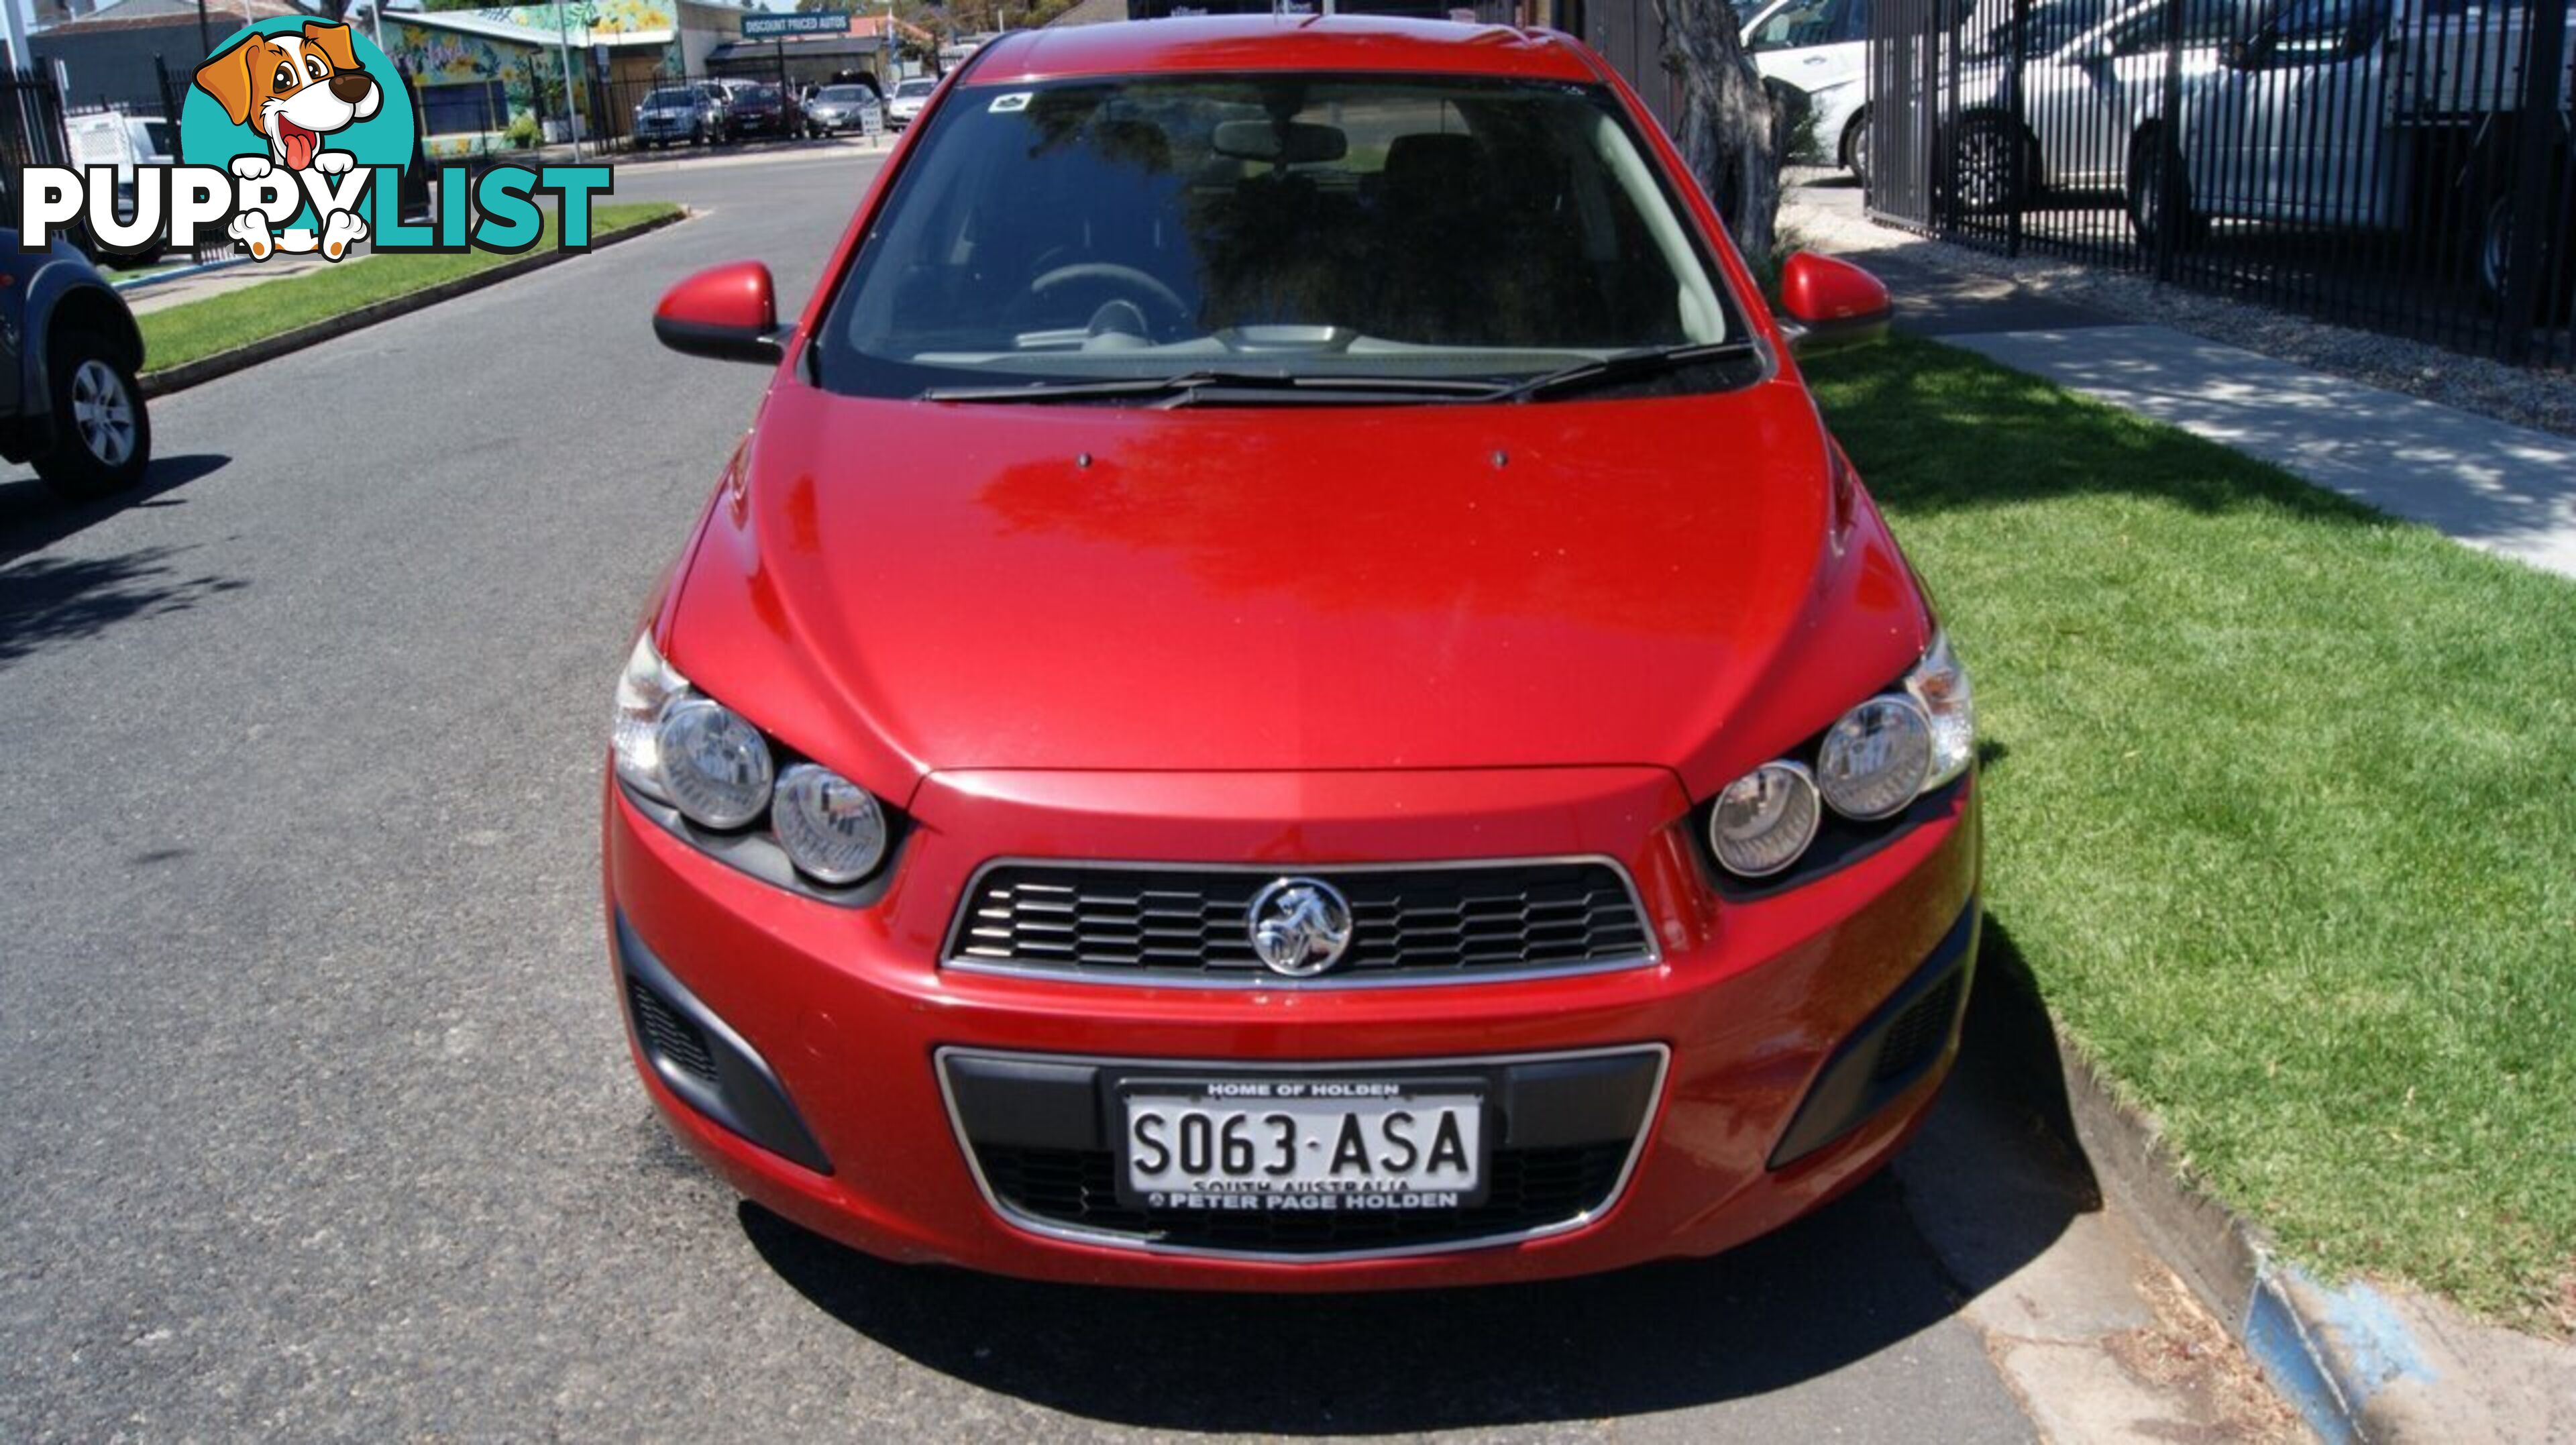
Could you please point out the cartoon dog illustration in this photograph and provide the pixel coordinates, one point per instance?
(294, 90)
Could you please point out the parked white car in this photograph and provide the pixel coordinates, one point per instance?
(904, 107)
(1818, 52)
(2089, 86)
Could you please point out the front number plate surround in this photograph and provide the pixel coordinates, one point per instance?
(1257, 1144)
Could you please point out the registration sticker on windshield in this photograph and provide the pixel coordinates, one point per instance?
(1005, 104)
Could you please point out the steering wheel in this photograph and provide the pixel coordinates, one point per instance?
(1125, 278)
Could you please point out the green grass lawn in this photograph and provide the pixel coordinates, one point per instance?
(2281, 814)
(221, 322)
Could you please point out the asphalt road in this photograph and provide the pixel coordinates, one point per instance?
(320, 1121)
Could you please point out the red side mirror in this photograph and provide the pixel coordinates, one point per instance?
(729, 312)
(1829, 303)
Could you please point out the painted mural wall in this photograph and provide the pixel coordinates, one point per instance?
(439, 57)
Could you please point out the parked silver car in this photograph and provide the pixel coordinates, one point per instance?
(837, 108)
(2346, 114)
(909, 97)
(676, 115)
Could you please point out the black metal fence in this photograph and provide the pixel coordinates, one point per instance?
(31, 122)
(2400, 165)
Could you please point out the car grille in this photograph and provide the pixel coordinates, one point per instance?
(1527, 1189)
(1408, 924)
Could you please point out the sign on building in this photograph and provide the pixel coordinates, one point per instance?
(809, 22)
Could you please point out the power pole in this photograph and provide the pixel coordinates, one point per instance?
(563, 37)
(19, 59)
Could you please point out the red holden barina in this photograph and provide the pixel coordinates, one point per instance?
(1289, 693)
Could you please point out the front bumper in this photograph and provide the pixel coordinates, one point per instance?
(1767, 1021)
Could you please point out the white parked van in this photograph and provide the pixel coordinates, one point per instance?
(114, 138)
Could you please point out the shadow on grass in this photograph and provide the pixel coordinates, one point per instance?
(1933, 428)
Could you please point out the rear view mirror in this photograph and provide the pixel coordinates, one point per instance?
(1829, 303)
(729, 312)
(1285, 143)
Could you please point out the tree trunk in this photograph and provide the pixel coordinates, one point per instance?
(1726, 130)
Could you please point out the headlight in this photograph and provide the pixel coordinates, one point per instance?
(1873, 762)
(681, 749)
(1940, 684)
(831, 827)
(715, 766)
(1764, 820)
(646, 687)
(1870, 765)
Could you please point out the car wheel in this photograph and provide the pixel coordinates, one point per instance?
(2159, 195)
(1982, 162)
(1855, 148)
(102, 435)
(2495, 261)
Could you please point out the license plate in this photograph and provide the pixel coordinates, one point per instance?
(1307, 1145)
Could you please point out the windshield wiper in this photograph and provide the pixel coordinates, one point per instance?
(1624, 366)
(1192, 386)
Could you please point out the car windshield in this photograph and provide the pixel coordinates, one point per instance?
(1294, 226)
(756, 92)
(915, 89)
(670, 100)
(843, 94)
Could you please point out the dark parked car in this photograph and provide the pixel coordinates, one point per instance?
(761, 110)
(72, 350)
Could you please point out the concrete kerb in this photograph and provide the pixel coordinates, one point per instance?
(2359, 1364)
(224, 363)
(177, 273)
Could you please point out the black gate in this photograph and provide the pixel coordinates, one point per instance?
(2401, 165)
(31, 121)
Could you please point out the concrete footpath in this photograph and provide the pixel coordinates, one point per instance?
(2502, 488)
(2359, 1362)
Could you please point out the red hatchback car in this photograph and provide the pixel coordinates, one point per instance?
(1288, 692)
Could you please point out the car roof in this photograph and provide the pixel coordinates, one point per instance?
(1277, 42)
